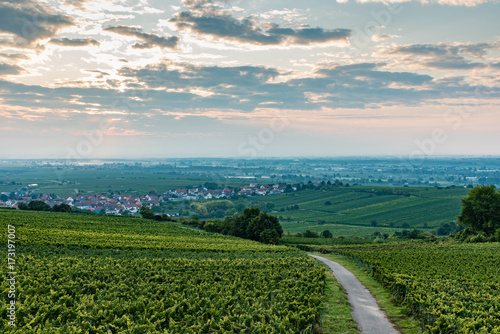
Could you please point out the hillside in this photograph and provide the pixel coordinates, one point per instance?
(85, 273)
(362, 210)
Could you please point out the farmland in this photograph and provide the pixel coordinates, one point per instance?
(93, 274)
(68, 181)
(362, 210)
(452, 288)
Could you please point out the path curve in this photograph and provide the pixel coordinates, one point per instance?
(365, 311)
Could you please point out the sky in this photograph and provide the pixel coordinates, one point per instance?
(85, 79)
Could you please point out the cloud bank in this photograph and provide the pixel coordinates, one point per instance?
(150, 40)
(250, 31)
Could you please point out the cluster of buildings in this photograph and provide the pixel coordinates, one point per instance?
(115, 204)
(194, 194)
(118, 204)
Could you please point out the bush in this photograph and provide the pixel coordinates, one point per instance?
(326, 234)
(215, 226)
(320, 221)
(147, 213)
(480, 237)
(310, 234)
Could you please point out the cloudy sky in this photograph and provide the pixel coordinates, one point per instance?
(249, 78)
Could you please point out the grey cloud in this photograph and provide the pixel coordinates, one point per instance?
(475, 49)
(453, 63)
(201, 3)
(244, 88)
(356, 67)
(29, 21)
(368, 74)
(75, 3)
(362, 84)
(478, 49)
(75, 42)
(421, 49)
(201, 76)
(150, 40)
(7, 69)
(447, 56)
(14, 56)
(100, 74)
(250, 31)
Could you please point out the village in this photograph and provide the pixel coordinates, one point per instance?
(118, 204)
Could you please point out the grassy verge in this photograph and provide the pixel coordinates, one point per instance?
(337, 317)
(395, 313)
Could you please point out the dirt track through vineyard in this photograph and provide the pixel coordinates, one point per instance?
(365, 311)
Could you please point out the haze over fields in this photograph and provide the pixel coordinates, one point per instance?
(151, 78)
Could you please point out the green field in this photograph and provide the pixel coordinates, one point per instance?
(452, 288)
(67, 181)
(79, 273)
(364, 210)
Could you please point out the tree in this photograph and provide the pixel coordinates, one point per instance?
(215, 225)
(4, 198)
(269, 236)
(147, 213)
(22, 206)
(320, 221)
(310, 234)
(156, 209)
(240, 207)
(211, 185)
(263, 221)
(481, 210)
(444, 229)
(415, 234)
(38, 206)
(62, 208)
(326, 234)
(250, 225)
(153, 192)
(269, 206)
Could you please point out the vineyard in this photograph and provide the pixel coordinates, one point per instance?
(355, 210)
(449, 288)
(99, 274)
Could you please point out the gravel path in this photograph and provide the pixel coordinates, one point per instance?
(370, 319)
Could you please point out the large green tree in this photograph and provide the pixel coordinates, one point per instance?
(252, 224)
(62, 208)
(262, 222)
(481, 210)
(146, 213)
(38, 206)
